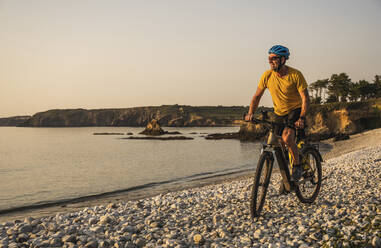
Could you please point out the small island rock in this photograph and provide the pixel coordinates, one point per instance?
(153, 128)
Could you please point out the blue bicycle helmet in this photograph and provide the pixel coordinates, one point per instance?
(280, 50)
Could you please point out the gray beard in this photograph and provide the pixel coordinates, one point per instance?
(277, 69)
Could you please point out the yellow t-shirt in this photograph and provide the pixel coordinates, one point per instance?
(284, 90)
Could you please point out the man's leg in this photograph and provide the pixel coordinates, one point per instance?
(278, 131)
(288, 137)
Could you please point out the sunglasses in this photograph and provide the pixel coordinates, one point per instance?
(274, 58)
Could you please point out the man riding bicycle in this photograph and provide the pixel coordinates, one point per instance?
(288, 90)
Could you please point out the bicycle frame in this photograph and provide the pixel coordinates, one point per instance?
(274, 146)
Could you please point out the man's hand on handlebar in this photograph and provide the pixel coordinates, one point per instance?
(299, 124)
(249, 117)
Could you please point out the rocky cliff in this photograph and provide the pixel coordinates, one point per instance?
(167, 115)
(329, 120)
(13, 121)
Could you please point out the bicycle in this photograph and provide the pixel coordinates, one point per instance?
(310, 158)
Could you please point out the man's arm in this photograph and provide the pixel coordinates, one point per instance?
(254, 103)
(305, 105)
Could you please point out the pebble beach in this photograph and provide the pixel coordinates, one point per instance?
(347, 213)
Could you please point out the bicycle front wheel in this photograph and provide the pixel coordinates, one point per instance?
(261, 183)
(309, 186)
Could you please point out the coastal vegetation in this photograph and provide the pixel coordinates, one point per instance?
(340, 88)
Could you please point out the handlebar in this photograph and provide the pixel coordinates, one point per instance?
(263, 120)
(272, 124)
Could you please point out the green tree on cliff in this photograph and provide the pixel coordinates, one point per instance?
(354, 92)
(322, 85)
(314, 93)
(318, 88)
(366, 89)
(340, 88)
(377, 82)
(338, 85)
(332, 98)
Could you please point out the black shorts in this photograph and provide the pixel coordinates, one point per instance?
(288, 120)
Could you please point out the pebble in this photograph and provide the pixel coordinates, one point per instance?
(93, 221)
(69, 238)
(258, 234)
(347, 213)
(376, 242)
(25, 229)
(92, 244)
(197, 239)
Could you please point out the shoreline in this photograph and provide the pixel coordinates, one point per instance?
(347, 213)
(335, 149)
(73, 205)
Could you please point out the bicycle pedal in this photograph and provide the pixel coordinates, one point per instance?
(300, 181)
(297, 183)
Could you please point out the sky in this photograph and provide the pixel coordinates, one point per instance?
(96, 54)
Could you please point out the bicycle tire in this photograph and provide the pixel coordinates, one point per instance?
(264, 168)
(314, 177)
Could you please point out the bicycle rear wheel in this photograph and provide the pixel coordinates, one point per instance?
(261, 183)
(309, 186)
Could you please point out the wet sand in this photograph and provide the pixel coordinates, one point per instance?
(329, 149)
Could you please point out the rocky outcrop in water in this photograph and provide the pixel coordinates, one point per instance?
(108, 133)
(250, 131)
(153, 128)
(159, 138)
(219, 136)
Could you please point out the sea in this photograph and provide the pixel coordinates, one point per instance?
(48, 165)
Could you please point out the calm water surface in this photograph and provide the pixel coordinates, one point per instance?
(39, 165)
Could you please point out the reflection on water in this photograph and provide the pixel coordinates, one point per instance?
(49, 164)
